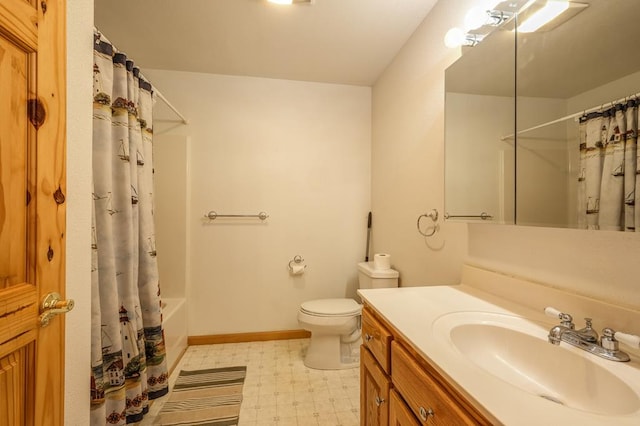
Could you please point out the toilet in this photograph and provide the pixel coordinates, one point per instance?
(335, 323)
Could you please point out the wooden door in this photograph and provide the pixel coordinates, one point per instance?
(32, 209)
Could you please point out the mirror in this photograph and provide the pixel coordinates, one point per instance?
(587, 60)
(479, 111)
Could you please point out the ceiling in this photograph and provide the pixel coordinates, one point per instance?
(332, 41)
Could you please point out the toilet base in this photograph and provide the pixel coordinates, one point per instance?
(328, 352)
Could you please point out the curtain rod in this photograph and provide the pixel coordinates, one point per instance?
(163, 99)
(155, 89)
(570, 116)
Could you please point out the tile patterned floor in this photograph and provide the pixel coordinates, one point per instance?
(279, 390)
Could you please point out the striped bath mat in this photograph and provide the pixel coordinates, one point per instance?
(205, 397)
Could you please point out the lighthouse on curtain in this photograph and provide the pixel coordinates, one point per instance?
(130, 345)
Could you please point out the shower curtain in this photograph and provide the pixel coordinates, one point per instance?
(127, 351)
(608, 181)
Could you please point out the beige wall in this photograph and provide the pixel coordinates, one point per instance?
(296, 150)
(601, 264)
(79, 134)
(408, 155)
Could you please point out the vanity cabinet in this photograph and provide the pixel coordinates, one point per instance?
(424, 396)
(399, 387)
(374, 391)
(377, 339)
(399, 413)
(375, 365)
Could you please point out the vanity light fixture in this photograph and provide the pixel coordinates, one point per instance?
(481, 20)
(478, 16)
(551, 10)
(291, 1)
(534, 15)
(456, 37)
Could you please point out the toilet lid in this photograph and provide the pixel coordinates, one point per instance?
(329, 307)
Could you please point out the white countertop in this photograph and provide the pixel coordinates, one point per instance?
(413, 310)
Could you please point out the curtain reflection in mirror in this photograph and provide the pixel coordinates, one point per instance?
(608, 179)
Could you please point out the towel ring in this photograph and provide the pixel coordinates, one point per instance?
(433, 215)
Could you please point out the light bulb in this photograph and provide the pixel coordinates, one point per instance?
(475, 18)
(281, 1)
(455, 37)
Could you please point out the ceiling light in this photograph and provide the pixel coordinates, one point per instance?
(551, 10)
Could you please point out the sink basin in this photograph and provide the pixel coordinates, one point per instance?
(516, 351)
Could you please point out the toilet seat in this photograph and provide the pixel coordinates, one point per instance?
(331, 307)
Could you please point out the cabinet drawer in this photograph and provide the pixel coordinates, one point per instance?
(377, 339)
(431, 404)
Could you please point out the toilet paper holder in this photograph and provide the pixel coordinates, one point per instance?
(297, 259)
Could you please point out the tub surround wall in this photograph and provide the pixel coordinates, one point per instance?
(170, 164)
(174, 323)
(300, 152)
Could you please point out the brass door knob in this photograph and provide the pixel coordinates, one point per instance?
(53, 305)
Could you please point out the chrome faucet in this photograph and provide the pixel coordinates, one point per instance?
(586, 334)
(587, 338)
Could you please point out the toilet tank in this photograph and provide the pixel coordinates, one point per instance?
(369, 277)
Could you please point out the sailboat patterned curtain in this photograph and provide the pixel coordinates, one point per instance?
(609, 165)
(127, 352)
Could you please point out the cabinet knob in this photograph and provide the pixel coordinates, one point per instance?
(379, 401)
(425, 414)
(367, 337)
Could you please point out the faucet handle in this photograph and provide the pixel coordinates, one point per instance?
(565, 319)
(609, 343)
(610, 339)
(630, 340)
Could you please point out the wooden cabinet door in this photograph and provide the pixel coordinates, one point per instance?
(374, 391)
(32, 209)
(399, 413)
(428, 401)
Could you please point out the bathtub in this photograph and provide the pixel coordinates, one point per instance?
(174, 322)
